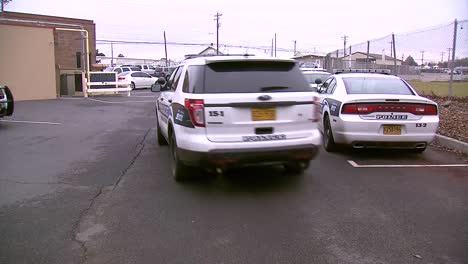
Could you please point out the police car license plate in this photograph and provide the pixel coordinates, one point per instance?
(263, 113)
(392, 130)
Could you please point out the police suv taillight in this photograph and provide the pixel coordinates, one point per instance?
(196, 110)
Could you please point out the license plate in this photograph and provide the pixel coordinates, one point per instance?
(392, 130)
(263, 113)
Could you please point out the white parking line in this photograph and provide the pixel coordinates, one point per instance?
(355, 165)
(30, 122)
(122, 102)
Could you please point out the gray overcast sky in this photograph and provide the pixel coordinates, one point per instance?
(314, 24)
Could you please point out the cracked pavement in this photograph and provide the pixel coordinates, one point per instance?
(52, 175)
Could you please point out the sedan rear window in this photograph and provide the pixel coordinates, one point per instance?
(252, 77)
(375, 85)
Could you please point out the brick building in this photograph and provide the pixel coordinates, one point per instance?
(34, 44)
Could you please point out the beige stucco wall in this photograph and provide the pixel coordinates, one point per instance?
(28, 62)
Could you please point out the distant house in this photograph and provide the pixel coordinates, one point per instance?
(378, 59)
(310, 59)
(207, 51)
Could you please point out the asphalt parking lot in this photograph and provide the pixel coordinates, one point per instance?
(84, 181)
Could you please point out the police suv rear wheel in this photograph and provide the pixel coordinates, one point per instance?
(179, 171)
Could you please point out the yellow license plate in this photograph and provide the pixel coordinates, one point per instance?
(264, 113)
(392, 130)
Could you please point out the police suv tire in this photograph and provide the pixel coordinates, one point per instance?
(179, 170)
(297, 167)
(328, 141)
(161, 139)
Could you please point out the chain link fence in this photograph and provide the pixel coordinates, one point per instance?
(435, 54)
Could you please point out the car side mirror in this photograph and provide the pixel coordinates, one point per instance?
(318, 81)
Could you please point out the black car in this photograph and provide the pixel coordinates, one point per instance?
(163, 71)
(6, 102)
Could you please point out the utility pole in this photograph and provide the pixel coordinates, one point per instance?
(275, 44)
(218, 15)
(112, 54)
(394, 53)
(442, 56)
(294, 48)
(422, 57)
(165, 47)
(272, 47)
(455, 26)
(367, 55)
(448, 57)
(391, 48)
(350, 58)
(344, 38)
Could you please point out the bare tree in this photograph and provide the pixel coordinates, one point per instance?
(3, 3)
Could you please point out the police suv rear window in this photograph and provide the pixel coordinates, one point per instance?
(252, 77)
(375, 85)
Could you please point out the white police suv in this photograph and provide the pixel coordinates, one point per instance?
(220, 112)
(370, 108)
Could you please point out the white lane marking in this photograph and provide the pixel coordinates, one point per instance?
(355, 165)
(30, 122)
(122, 102)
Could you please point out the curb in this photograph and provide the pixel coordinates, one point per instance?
(452, 143)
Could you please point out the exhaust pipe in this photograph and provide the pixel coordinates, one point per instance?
(358, 146)
(420, 145)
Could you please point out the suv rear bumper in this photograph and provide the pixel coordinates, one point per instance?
(241, 157)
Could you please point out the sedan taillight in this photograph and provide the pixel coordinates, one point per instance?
(365, 109)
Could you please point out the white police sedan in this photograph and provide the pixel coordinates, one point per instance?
(372, 109)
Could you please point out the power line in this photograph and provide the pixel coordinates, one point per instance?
(126, 42)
